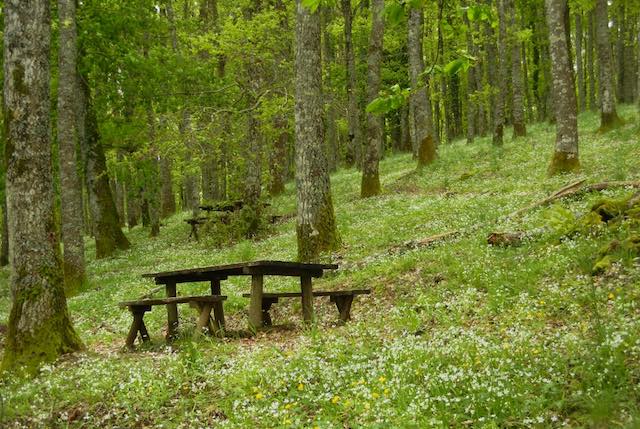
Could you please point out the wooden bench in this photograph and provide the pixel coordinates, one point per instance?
(204, 304)
(342, 298)
(195, 222)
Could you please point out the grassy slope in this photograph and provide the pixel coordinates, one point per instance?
(460, 334)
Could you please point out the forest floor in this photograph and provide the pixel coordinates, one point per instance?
(458, 334)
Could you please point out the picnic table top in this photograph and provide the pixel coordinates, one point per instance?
(221, 272)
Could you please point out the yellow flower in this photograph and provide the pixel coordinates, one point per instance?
(335, 399)
(611, 296)
(287, 422)
(375, 395)
(300, 386)
(288, 406)
(386, 391)
(382, 379)
(259, 396)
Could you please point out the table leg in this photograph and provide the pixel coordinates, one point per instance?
(307, 298)
(172, 311)
(255, 305)
(218, 308)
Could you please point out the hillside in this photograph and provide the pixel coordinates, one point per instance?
(458, 334)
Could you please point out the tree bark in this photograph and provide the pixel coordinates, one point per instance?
(39, 327)
(329, 57)
(472, 84)
(582, 99)
(370, 185)
(316, 224)
(106, 225)
(278, 163)
(4, 246)
(70, 184)
(420, 102)
(591, 75)
(495, 79)
(354, 144)
(608, 115)
(517, 83)
(565, 157)
(168, 202)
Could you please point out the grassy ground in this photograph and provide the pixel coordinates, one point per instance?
(459, 334)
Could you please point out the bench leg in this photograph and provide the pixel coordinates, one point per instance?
(307, 298)
(204, 319)
(172, 312)
(255, 305)
(218, 307)
(343, 303)
(137, 326)
(266, 306)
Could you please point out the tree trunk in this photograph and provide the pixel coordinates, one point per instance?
(420, 102)
(168, 201)
(499, 84)
(191, 192)
(582, 99)
(152, 182)
(39, 326)
(106, 225)
(70, 185)
(565, 157)
(494, 71)
(4, 246)
(329, 58)
(608, 115)
(517, 83)
(278, 162)
(252, 210)
(472, 85)
(353, 118)
(370, 185)
(316, 224)
(591, 75)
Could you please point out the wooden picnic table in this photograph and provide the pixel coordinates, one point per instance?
(257, 270)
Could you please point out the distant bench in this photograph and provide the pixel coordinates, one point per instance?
(342, 298)
(204, 304)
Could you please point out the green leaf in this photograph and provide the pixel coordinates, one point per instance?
(312, 5)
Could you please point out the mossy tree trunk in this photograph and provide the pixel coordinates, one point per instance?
(4, 245)
(370, 185)
(608, 114)
(354, 144)
(70, 183)
(565, 158)
(106, 225)
(517, 82)
(419, 100)
(39, 325)
(316, 225)
(329, 57)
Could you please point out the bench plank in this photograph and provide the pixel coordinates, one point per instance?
(315, 293)
(173, 300)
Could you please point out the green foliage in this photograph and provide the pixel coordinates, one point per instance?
(389, 99)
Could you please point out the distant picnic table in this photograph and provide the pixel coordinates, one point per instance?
(259, 303)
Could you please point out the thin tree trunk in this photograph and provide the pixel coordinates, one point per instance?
(608, 115)
(420, 102)
(495, 73)
(517, 84)
(70, 185)
(565, 157)
(370, 185)
(353, 118)
(39, 327)
(316, 224)
(329, 58)
(582, 99)
(277, 165)
(168, 201)
(472, 85)
(591, 75)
